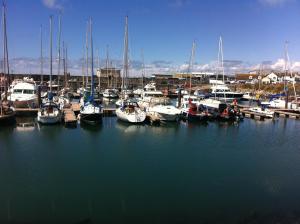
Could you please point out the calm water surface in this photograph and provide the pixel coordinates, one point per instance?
(175, 173)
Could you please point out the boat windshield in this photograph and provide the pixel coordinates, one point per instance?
(18, 90)
(28, 91)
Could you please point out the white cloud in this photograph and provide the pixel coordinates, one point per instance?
(53, 4)
(32, 66)
(274, 3)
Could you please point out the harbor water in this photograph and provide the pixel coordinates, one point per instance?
(172, 173)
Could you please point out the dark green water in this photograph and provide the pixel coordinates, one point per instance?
(183, 173)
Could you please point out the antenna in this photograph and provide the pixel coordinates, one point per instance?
(50, 20)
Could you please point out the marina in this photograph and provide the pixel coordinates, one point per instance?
(141, 112)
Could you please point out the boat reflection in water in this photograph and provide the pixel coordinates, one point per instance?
(25, 124)
(130, 128)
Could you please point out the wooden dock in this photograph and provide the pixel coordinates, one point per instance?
(75, 107)
(294, 114)
(26, 111)
(69, 117)
(250, 114)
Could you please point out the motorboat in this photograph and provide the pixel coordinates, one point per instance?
(151, 86)
(222, 92)
(148, 96)
(24, 95)
(110, 93)
(163, 109)
(130, 112)
(192, 112)
(187, 99)
(248, 96)
(138, 92)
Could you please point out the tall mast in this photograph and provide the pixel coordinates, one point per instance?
(66, 66)
(41, 54)
(92, 58)
(143, 67)
(59, 37)
(64, 61)
(50, 57)
(191, 64)
(5, 52)
(221, 59)
(87, 54)
(288, 65)
(107, 63)
(125, 57)
(98, 69)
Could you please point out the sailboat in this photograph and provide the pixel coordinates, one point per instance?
(50, 112)
(7, 113)
(90, 112)
(282, 103)
(128, 111)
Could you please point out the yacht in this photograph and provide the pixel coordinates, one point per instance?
(110, 93)
(162, 108)
(151, 86)
(222, 92)
(24, 95)
(248, 96)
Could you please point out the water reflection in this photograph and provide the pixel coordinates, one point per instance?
(91, 127)
(130, 128)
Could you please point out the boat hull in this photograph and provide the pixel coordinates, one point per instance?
(135, 118)
(33, 103)
(44, 119)
(92, 118)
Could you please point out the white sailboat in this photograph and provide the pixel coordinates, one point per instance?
(128, 111)
(50, 112)
(7, 113)
(90, 112)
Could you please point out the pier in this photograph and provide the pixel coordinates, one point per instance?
(250, 114)
(69, 117)
(295, 114)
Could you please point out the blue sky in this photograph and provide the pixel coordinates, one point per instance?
(253, 30)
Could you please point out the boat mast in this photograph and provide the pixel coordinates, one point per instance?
(98, 69)
(291, 73)
(41, 54)
(50, 58)
(87, 54)
(107, 60)
(220, 62)
(190, 69)
(64, 61)
(222, 59)
(59, 56)
(143, 67)
(5, 52)
(125, 57)
(92, 59)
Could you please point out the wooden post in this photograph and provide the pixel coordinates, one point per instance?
(179, 98)
(39, 96)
